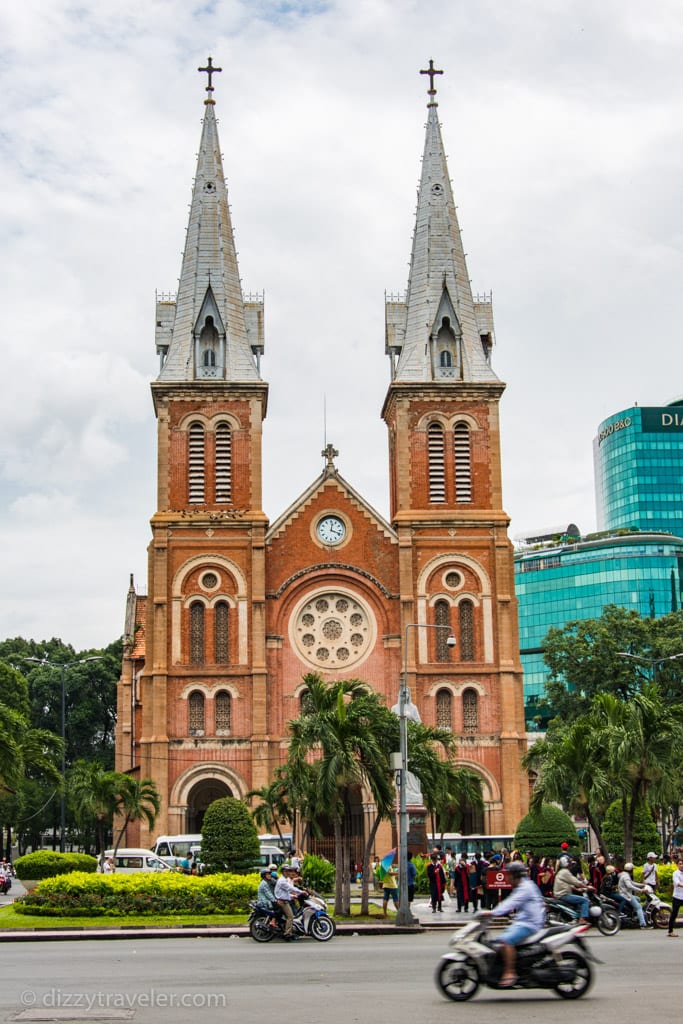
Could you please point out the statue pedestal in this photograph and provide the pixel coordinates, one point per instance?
(417, 830)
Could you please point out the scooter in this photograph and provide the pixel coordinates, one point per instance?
(655, 910)
(543, 961)
(311, 919)
(601, 913)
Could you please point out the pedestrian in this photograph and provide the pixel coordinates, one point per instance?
(108, 866)
(597, 872)
(412, 877)
(437, 881)
(650, 876)
(462, 889)
(473, 884)
(389, 889)
(677, 901)
(545, 877)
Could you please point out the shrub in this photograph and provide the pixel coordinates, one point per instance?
(645, 834)
(229, 838)
(544, 831)
(87, 895)
(318, 872)
(46, 864)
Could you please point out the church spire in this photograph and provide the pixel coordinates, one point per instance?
(209, 332)
(440, 332)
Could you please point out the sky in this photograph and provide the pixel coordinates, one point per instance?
(563, 125)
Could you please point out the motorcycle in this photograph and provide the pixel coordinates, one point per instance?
(655, 910)
(543, 961)
(310, 919)
(601, 913)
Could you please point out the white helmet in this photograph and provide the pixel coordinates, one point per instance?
(628, 867)
(564, 862)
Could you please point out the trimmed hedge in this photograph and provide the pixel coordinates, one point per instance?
(229, 838)
(86, 895)
(46, 864)
(544, 831)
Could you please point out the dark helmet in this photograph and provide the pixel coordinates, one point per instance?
(517, 869)
(265, 872)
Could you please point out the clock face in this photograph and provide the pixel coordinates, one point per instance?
(331, 530)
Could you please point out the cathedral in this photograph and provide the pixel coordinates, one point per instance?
(240, 608)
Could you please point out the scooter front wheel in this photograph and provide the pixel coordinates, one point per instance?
(609, 922)
(457, 979)
(659, 917)
(323, 928)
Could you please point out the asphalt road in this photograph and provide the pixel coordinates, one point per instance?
(377, 979)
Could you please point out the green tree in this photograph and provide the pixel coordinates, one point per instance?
(273, 807)
(645, 834)
(95, 793)
(138, 799)
(573, 770)
(643, 740)
(584, 660)
(229, 836)
(544, 830)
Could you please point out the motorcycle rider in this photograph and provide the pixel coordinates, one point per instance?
(628, 889)
(265, 894)
(285, 893)
(567, 888)
(529, 906)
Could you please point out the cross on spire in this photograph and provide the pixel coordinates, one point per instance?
(431, 71)
(209, 70)
(330, 453)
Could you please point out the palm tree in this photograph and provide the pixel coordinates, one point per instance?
(643, 738)
(138, 799)
(274, 806)
(338, 727)
(573, 770)
(26, 751)
(96, 796)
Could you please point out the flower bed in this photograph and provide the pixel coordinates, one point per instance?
(85, 895)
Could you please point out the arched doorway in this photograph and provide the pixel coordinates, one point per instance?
(200, 796)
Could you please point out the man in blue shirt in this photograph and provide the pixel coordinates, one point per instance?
(529, 906)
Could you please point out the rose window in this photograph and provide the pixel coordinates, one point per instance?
(332, 630)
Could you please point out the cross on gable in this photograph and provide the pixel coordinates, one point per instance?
(431, 71)
(209, 70)
(330, 453)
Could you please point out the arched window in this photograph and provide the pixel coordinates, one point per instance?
(463, 462)
(444, 709)
(196, 463)
(442, 617)
(195, 711)
(209, 357)
(466, 613)
(470, 711)
(223, 711)
(304, 701)
(223, 462)
(435, 450)
(445, 358)
(197, 633)
(221, 633)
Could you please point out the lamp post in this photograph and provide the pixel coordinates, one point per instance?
(403, 914)
(652, 662)
(63, 666)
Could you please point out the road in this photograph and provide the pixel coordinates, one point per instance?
(373, 979)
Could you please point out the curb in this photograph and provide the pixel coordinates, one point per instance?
(184, 932)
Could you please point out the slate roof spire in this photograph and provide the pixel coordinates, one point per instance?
(439, 312)
(209, 303)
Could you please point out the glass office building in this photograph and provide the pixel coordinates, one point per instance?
(638, 461)
(559, 581)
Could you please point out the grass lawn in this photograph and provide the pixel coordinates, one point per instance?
(10, 920)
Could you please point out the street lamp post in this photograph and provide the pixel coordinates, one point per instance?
(652, 662)
(63, 666)
(403, 914)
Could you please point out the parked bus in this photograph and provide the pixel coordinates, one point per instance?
(469, 845)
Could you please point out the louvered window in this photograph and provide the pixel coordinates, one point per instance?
(196, 464)
(442, 618)
(463, 462)
(223, 462)
(196, 713)
(444, 710)
(437, 477)
(223, 710)
(470, 711)
(197, 633)
(221, 633)
(466, 611)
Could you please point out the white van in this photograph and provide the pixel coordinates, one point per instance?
(176, 848)
(132, 859)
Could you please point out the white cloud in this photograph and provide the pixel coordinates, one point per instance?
(562, 125)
